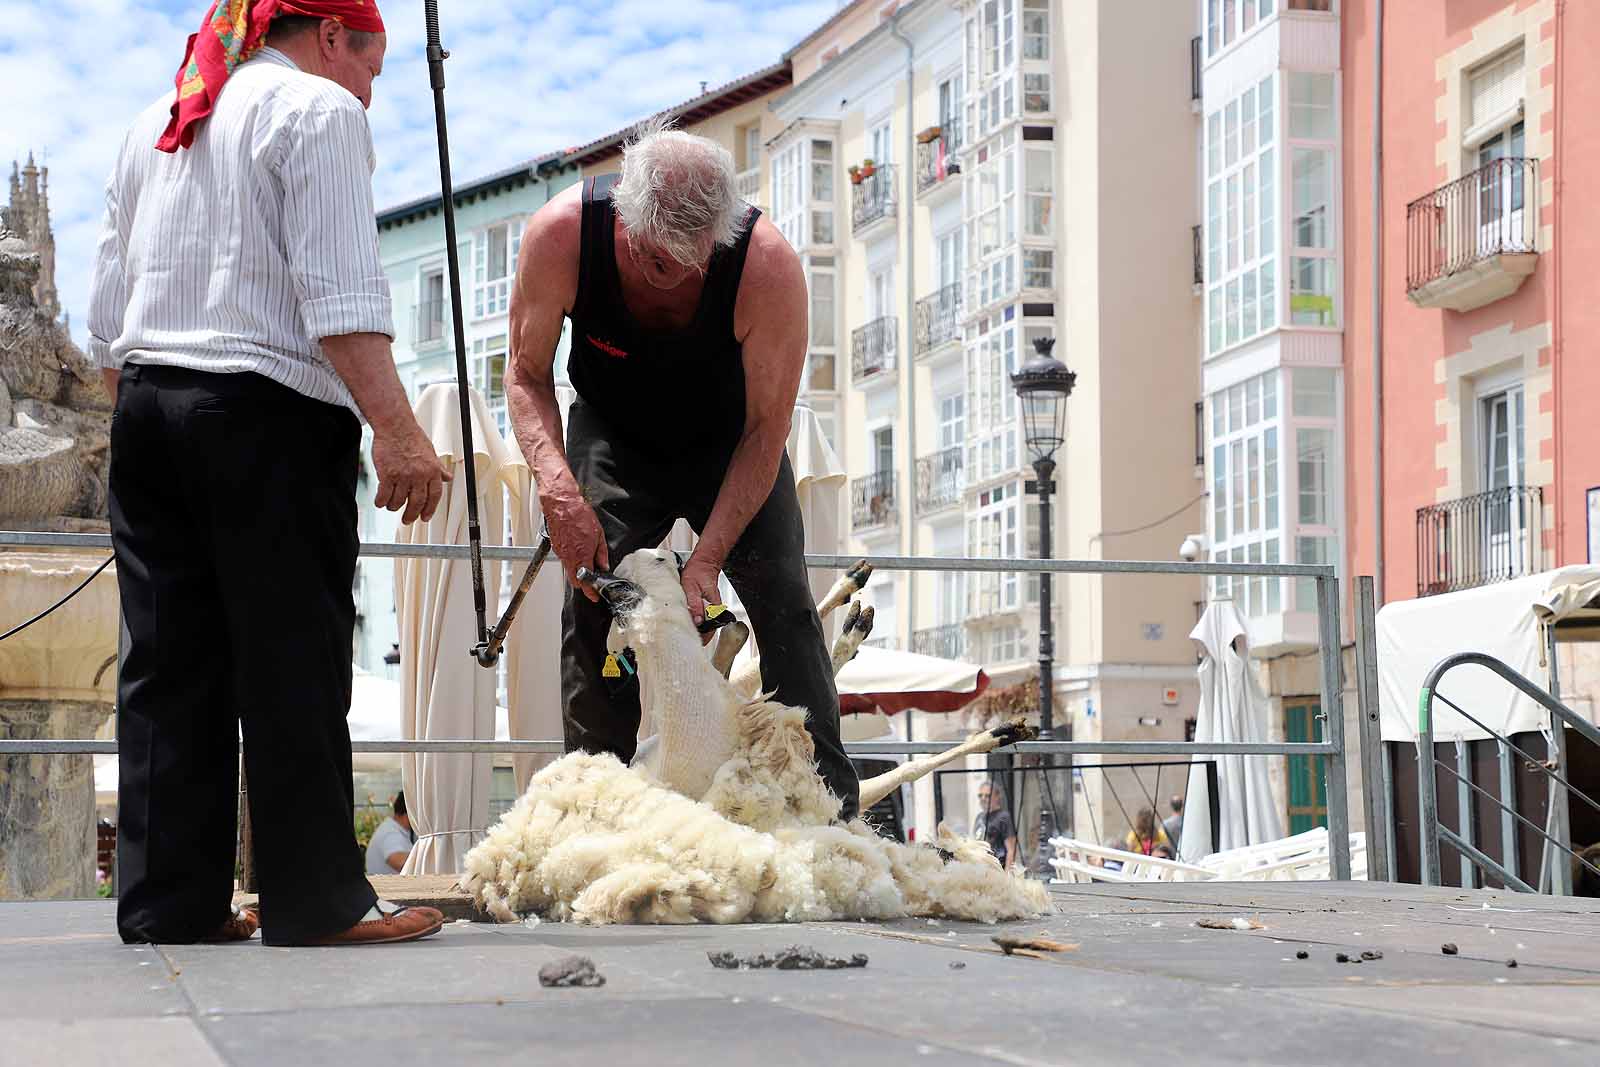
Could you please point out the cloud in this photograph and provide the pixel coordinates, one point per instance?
(523, 79)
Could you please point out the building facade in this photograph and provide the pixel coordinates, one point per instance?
(1489, 464)
(27, 214)
(490, 215)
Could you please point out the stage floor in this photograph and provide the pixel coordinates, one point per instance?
(1143, 985)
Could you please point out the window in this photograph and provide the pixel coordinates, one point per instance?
(1311, 292)
(952, 420)
(950, 112)
(1038, 268)
(1245, 469)
(494, 261)
(787, 211)
(991, 400)
(489, 376)
(949, 254)
(1035, 29)
(821, 192)
(1495, 89)
(1503, 444)
(431, 308)
(1314, 449)
(991, 212)
(823, 351)
(1040, 179)
(880, 144)
(1035, 93)
(1311, 114)
(883, 450)
(880, 294)
(992, 534)
(1240, 260)
(752, 146)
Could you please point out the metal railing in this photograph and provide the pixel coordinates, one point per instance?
(873, 500)
(1489, 212)
(938, 319)
(430, 323)
(939, 481)
(935, 162)
(873, 197)
(872, 347)
(1194, 68)
(1327, 600)
(1556, 865)
(946, 642)
(1479, 540)
(1199, 255)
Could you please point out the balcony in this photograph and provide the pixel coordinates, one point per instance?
(1194, 73)
(946, 642)
(873, 501)
(872, 348)
(747, 183)
(1475, 240)
(939, 481)
(1199, 258)
(936, 160)
(938, 320)
(430, 324)
(872, 198)
(1479, 540)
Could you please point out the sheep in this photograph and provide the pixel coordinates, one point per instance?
(725, 819)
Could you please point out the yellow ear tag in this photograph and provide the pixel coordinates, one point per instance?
(713, 610)
(611, 670)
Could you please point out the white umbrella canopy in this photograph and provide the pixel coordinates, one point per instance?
(1232, 709)
(889, 680)
(444, 693)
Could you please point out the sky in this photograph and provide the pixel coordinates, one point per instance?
(524, 78)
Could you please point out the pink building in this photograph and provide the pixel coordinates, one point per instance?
(1489, 322)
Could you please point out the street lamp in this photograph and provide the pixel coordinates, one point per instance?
(1043, 385)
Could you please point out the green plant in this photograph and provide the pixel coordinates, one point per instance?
(369, 817)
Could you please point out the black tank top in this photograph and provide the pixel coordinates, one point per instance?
(676, 388)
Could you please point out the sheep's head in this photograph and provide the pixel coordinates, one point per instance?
(643, 594)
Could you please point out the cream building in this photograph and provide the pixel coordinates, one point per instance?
(961, 178)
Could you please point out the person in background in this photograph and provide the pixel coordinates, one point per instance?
(391, 841)
(1173, 824)
(1146, 835)
(994, 824)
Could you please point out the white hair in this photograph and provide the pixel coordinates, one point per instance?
(677, 192)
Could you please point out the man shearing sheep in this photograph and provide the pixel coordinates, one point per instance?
(688, 314)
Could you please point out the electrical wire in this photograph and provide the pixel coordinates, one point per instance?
(1168, 517)
(81, 586)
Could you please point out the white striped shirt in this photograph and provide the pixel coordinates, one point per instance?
(243, 251)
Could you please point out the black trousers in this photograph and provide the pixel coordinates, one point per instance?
(638, 493)
(233, 516)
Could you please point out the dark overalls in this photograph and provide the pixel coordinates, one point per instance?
(649, 439)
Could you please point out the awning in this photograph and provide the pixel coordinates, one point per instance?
(888, 680)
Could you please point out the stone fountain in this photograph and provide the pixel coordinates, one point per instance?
(58, 677)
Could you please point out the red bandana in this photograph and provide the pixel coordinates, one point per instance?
(233, 31)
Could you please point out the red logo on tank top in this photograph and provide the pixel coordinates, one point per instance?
(611, 350)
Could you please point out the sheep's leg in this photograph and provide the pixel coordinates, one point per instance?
(876, 788)
(857, 625)
(730, 639)
(849, 584)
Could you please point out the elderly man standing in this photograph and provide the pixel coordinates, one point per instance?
(688, 314)
(238, 292)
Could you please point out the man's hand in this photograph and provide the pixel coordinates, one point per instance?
(576, 536)
(700, 588)
(410, 474)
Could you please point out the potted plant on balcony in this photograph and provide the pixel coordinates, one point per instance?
(855, 174)
(929, 135)
(868, 168)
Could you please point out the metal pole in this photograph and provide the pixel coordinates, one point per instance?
(1510, 851)
(1374, 800)
(1043, 470)
(1560, 824)
(436, 57)
(1464, 812)
(1333, 717)
(1427, 795)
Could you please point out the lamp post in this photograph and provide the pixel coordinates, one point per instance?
(1043, 385)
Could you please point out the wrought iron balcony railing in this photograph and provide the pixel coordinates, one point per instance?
(873, 501)
(1479, 540)
(1490, 212)
(872, 348)
(939, 481)
(947, 642)
(872, 198)
(935, 162)
(430, 323)
(938, 319)
(1199, 255)
(747, 183)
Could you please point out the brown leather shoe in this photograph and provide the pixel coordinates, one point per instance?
(402, 924)
(240, 926)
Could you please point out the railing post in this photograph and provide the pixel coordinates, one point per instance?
(1375, 807)
(1559, 825)
(1427, 791)
(1333, 712)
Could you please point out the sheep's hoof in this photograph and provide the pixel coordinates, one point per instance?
(859, 574)
(852, 618)
(1009, 733)
(868, 613)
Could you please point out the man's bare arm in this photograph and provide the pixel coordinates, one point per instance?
(410, 473)
(772, 299)
(546, 286)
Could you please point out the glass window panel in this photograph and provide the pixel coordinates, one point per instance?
(1314, 448)
(1310, 550)
(1314, 395)
(1265, 192)
(1252, 401)
(1035, 93)
(1236, 409)
(1219, 493)
(1236, 485)
(1311, 106)
(1035, 29)
(1247, 218)
(1274, 585)
(1214, 317)
(1214, 226)
(822, 227)
(1233, 311)
(1253, 483)
(1269, 478)
(1247, 306)
(1269, 395)
(1214, 143)
(1233, 222)
(1311, 291)
(1313, 198)
(1265, 128)
(1268, 301)
(1247, 123)
(822, 318)
(1230, 123)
